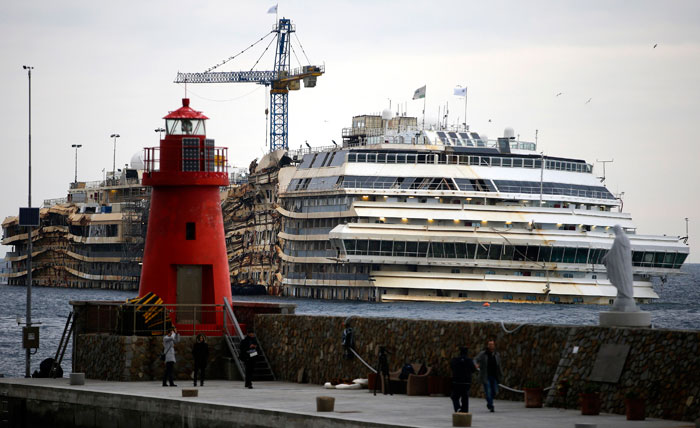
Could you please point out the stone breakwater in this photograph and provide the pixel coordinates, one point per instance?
(134, 358)
(661, 365)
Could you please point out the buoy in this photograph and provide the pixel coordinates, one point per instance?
(486, 304)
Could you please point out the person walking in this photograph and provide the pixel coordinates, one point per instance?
(249, 353)
(169, 341)
(489, 364)
(462, 370)
(200, 354)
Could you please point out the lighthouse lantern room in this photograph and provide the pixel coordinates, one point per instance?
(184, 259)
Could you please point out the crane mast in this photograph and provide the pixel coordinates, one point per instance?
(281, 80)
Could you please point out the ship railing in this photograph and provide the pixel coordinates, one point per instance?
(299, 153)
(55, 201)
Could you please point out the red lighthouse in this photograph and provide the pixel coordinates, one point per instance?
(184, 259)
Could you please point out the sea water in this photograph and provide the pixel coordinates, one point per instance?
(678, 307)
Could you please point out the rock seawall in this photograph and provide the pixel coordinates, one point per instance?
(661, 365)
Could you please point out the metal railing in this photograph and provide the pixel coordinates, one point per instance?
(152, 319)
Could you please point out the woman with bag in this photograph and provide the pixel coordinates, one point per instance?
(248, 354)
(169, 341)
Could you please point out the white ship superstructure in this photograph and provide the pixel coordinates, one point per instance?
(403, 213)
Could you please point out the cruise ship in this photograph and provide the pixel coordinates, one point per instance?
(404, 213)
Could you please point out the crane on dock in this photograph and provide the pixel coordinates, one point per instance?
(281, 80)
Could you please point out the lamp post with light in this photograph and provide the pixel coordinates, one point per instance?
(76, 147)
(29, 228)
(114, 155)
(160, 132)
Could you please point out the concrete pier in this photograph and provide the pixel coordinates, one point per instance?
(56, 403)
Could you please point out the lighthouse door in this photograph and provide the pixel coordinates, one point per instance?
(189, 292)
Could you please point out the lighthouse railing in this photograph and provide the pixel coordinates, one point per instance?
(230, 319)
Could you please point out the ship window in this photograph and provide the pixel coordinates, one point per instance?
(460, 250)
(508, 251)
(554, 299)
(581, 255)
(517, 163)
(372, 157)
(531, 253)
(569, 255)
(350, 246)
(423, 249)
(648, 258)
(386, 248)
(190, 231)
(399, 248)
(668, 260)
(361, 248)
(436, 249)
(680, 258)
(658, 259)
(557, 254)
(391, 158)
(482, 251)
(495, 251)
(449, 250)
(505, 296)
(528, 163)
(361, 157)
(374, 248)
(381, 157)
(411, 158)
(411, 249)
(352, 157)
(507, 162)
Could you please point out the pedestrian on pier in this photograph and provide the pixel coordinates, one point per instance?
(169, 341)
(489, 364)
(462, 370)
(249, 353)
(200, 353)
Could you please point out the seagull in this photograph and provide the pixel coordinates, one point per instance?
(489, 120)
(559, 94)
(307, 144)
(655, 45)
(589, 100)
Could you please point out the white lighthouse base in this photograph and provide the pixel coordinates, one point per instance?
(625, 319)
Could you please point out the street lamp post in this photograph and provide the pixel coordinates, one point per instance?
(160, 132)
(76, 147)
(114, 155)
(29, 228)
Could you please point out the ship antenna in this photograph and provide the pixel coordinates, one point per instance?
(685, 238)
(602, 179)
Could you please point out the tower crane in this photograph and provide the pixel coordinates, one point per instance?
(281, 80)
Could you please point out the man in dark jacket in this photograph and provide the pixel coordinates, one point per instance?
(462, 370)
(249, 353)
(200, 353)
(489, 364)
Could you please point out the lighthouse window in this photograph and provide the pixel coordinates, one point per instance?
(184, 126)
(190, 231)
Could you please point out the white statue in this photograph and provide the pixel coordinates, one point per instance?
(618, 262)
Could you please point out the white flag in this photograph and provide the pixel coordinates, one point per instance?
(461, 92)
(419, 93)
(272, 9)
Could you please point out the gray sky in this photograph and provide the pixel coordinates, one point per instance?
(105, 67)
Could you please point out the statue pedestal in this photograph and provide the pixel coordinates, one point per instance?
(625, 319)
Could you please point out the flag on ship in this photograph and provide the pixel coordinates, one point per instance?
(460, 91)
(272, 9)
(419, 93)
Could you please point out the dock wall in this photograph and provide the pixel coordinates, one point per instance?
(661, 365)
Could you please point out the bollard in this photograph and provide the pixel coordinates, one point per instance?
(77, 378)
(461, 419)
(190, 392)
(325, 404)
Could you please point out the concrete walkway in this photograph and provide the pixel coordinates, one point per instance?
(352, 407)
